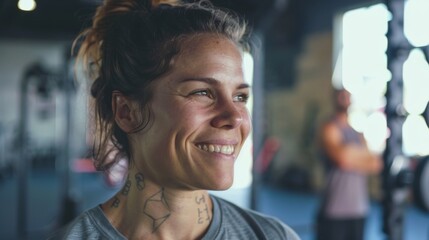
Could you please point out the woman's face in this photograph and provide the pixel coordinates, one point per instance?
(199, 118)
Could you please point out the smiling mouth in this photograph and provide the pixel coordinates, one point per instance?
(212, 148)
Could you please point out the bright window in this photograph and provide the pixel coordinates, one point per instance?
(361, 68)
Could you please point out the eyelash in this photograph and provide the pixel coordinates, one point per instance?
(202, 92)
(243, 97)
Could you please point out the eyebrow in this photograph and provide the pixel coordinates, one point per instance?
(212, 81)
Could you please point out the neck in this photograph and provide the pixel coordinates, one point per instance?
(342, 116)
(145, 210)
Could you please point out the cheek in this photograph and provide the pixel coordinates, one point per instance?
(247, 123)
(189, 114)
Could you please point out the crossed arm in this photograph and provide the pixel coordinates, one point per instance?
(352, 157)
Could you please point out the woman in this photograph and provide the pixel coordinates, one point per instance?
(170, 95)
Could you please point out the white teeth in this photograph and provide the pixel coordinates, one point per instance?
(225, 149)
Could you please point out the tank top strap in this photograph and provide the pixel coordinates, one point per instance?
(349, 134)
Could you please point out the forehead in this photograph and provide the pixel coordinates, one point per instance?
(208, 53)
(345, 94)
(342, 93)
(207, 42)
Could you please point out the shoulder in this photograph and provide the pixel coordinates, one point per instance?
(331, 132)
(261, 224)
(91, 224)
(330, 126)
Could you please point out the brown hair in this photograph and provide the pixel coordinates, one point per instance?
(130, 44)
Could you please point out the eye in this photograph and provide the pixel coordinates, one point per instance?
(243, 97)
(202, 92)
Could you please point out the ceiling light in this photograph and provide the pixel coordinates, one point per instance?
(27, 5)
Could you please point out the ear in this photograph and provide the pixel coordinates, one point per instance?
(122, 111)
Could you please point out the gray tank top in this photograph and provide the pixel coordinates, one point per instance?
(346, 193)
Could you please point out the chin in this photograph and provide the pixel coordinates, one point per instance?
(221, 185)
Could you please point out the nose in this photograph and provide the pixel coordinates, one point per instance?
(228, 116)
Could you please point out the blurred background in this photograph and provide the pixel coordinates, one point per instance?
(377, 50)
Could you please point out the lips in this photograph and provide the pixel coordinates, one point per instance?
(215, 148)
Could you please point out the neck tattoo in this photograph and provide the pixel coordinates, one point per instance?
(203, 210)
(157, 209)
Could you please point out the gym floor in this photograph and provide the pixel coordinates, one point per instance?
(295, 209)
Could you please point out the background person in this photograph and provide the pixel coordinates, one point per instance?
(345, 202)
(170, 95)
